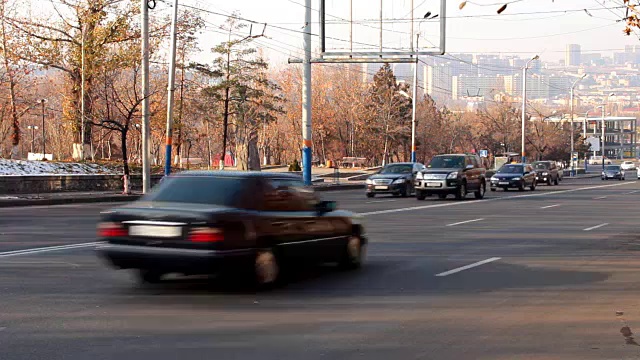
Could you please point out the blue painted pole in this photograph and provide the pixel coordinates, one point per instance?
(171, 88)
(167, 160)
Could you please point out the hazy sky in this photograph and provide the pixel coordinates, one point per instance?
(527, 26)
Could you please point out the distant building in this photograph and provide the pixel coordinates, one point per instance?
(476, 86)
(572, 55)
(438, 81)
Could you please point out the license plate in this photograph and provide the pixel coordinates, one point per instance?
(155, 231)
(503, 183)
(380, 187)
(434, 184)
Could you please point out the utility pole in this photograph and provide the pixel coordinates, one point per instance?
(573, 171)
(306, 97)
(414, 101)
(171, 89)
(82, 105)
(524, 105)
(44, 139)
(146, 169)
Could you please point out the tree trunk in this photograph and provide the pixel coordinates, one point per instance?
(15, 136)
(123, 143)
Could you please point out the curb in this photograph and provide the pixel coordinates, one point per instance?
(126, 198)
(65, 201)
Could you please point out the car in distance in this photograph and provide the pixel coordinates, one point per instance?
(628, 165)
(546, 172)
(457, 174)
(612, 172)
(394, 178)
(229, 223)
(518, 176)
(597, 160)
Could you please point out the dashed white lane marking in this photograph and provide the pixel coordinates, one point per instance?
(599, 198)
(47, 249)
(466, 267)
(379, 201)
(464, 222)
(459, 203)
(596, 227)
(550, 206)
(631, 192)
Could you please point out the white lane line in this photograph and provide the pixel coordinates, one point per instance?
(631, 192)
(379, 201)
(550, 206)
(47, 249)
(471, 202)
(595, 227)
(599, 198)
(464, 222)
(466, 267)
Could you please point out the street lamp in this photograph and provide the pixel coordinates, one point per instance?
(413, 119)
(524, 102)
(44, 139)
(604, 107)
(33, 129)
(573, 171)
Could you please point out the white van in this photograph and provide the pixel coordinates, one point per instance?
(597, 160)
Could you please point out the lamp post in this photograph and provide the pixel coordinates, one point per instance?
(413, 116)
(33, 129)
(524, 103)
(573, 172)
(604, 109)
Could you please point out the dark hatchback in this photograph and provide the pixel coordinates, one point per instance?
(519, 176)
(395, 178)
(229, 223)
(547, 172)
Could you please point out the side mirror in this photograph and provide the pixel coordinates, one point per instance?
(468, 167)
(326, 206)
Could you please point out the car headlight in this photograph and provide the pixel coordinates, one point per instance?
(517, 178)
(603, 173)
(493, 178)
(419, 176)
(369, 181)
(452, 175)
(399, 181)
(545, 173)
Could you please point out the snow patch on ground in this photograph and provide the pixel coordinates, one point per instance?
(22, 167)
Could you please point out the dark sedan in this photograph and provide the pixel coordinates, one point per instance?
(612, 172)
(519, 176)
(396, 179)
(229, 223)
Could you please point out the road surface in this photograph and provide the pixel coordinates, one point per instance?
(549, 274)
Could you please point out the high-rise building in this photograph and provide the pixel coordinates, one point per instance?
(437, 82)
(572, 55)
(473, 86)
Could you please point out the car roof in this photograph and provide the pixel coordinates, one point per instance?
(456, 155)
(400, 163)
(521, 164)
(238, 174)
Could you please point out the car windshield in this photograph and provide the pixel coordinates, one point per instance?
(447, 162)
(210, 190)
(613, 168)
(541, 166)
(397, 169)
(511, 169)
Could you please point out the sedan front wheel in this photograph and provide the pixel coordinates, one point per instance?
(354, 253)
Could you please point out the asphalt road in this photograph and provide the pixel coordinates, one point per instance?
(550, 274)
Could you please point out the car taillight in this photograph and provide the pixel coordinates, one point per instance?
(111, 230)
(206, 235)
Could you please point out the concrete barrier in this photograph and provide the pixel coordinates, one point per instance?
(36, 184)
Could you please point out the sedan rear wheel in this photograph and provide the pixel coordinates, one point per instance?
(370, 195)
(354, 255)
(266, 268)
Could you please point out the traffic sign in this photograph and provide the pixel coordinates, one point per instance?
(484, 153)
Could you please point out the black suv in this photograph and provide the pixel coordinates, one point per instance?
(547, 172)
(457, 174)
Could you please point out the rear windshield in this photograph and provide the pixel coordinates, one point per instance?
(397, 169)
(541, 166)
(210, 190)
(447, 162)
(511, 169)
